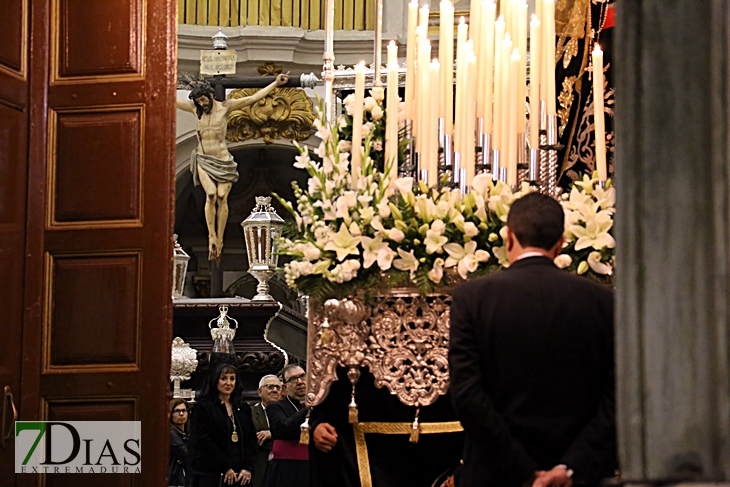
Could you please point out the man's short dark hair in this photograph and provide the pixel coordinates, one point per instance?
(286, 370)
(537, 220)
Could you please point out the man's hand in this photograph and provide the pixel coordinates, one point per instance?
(325, 437)
(262, 436)
(282, 79)
(559, 476)
(230, 477)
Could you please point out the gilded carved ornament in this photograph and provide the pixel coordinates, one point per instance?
(286, 113)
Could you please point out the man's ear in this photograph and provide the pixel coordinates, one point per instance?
(510, 239)
(555, 251)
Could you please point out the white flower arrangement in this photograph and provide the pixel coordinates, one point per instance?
(377, 232)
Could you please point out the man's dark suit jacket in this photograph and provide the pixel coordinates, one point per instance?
(532, 375)
(285, 420)
(258, 414)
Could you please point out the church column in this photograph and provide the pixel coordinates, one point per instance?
(672, 224)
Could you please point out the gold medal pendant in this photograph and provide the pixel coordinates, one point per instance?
(234, 437)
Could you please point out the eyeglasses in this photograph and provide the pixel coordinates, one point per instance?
(180, 411)
(297, 378)
(272, 387)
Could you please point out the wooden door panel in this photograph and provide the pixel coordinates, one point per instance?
(99, 39)
(13, 191)
(94, 317)
(83, 167)
(99, 221)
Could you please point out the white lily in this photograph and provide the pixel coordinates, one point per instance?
(466, 258)
(322, 131)
(470, 230)
(593, 234)
(437, 272)
(501, 254)
(594, 261)
(425, 208)
(406, 262)
(302, 161)
(435, 241)
(371, 248)
(396, 235)
(385, 258)
(404, 186)
(606, 198)
(383, 208)
(481, 184)
(343, 243)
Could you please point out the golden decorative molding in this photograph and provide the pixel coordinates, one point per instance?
(286, 113)
(361, 447)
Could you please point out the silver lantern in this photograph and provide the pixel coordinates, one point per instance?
(181, 267)
(261, 229)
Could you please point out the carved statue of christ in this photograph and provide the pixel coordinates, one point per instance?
(212, 165)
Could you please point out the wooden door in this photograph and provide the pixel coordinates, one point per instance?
(86, 234)
(13, 173)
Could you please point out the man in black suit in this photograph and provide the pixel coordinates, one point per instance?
(289, 465)
(532, 366)
(269, 392)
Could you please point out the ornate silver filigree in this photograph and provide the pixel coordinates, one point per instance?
(400, 336)
(183, 364)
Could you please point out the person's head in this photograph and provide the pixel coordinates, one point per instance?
(179, 412)
(202, 96)
(269, 389)
(223, 381)
(535, 223)
(295, 384)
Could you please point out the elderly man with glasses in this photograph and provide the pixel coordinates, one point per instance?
(289, 465)
(269, 391)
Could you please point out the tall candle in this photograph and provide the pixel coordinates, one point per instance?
(498, 78)
(432, 124)
(475, 28)
(424, 101)
(507, 107)
(411, 58)
(485, 73)
(514, 90)
(535, 56)
(522, 78)
(470, 118)
(423, 17)
(357, 122)
(391, 121)
(461, 39)
(549, 47)
(446, 62)
(599, 116)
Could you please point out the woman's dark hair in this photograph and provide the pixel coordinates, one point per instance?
(175, 403)
(210, 391)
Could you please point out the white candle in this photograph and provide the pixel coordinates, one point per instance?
(391, 113)
(485, 75)
(599, 116)
(424, 101)
(535, 56)
(515, 108)
(357, 122)
(549, 47)
(475, 24)
(470, 118)
(498, 78)
(446, 61)
(522, 79)
(507, 107)
(432, 150)
(461, 39)
(411, 47)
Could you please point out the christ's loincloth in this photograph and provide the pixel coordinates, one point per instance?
(219, 170)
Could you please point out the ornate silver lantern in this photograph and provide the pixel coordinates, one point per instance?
(223, 334)
(184, 362)
(181, 267)
(261, 229)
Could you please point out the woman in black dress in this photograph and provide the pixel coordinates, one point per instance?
(222, 432)
(179, 473)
